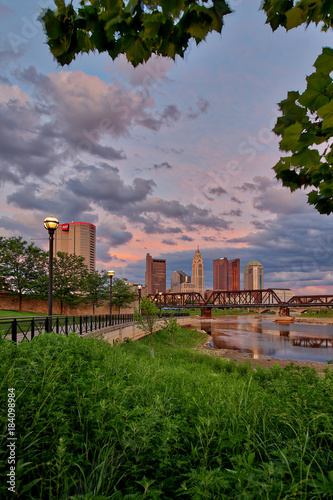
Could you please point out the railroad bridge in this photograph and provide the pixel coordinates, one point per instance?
(261, 299)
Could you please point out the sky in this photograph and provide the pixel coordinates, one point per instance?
(165, 157)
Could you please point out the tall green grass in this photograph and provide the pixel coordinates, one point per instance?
(95, 421)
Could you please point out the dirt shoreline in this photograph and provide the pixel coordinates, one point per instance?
(262, 360)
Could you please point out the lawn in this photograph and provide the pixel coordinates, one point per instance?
(4, 313)
(96, 421)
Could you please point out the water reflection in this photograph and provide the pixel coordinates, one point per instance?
(261, 336)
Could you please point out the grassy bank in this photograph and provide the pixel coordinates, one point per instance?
(95, 421)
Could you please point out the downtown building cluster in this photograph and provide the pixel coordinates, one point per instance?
(226, 276)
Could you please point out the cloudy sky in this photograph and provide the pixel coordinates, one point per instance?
(164, 157)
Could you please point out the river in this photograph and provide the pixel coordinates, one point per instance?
(261, 336)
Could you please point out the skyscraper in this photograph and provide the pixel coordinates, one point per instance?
(180, 282)
(155, 275)
(78, 238)
(234, 274)
(198, 278)
(254, 276)
(226, 274)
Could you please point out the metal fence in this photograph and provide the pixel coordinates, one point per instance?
(17, 329)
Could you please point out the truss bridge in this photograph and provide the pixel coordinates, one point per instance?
(261, 299)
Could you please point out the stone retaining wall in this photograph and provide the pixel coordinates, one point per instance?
(118, 333)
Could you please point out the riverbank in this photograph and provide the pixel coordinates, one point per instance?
(261, 360)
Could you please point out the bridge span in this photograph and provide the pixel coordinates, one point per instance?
(239, 299)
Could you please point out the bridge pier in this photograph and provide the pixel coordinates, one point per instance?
(284, 311)
(206, 312)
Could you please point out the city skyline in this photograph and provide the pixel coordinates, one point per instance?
(163, 157)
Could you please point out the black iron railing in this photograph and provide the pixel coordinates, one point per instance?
(17, 329)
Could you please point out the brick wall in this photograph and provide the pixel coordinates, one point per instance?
(11, 303)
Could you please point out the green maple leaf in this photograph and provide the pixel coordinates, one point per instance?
(324, 63)
(291, 137)
(307, 158)
(295, 17)
(135, 50)
(326, 112)
(315, 94)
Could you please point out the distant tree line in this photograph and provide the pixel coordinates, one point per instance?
(24, 272)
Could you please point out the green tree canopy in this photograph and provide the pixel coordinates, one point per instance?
(136, 28)
(122, 295)
(70, 275)
(23, 267)
(140, 28)
(97, 289)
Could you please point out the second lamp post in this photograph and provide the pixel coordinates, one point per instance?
(111, 274)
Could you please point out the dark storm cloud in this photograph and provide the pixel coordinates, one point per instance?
(234, 213)
(185, 238)
(169, 242)
(191, 216)
(165, 164)
(81, 111)
(104, 186)
(26, 146)
(202, 108)
(13, 225)
(260, 225)
(209, 238)
(61, 202)
(113, 233)
(211, 193)
(247, 186)
(169, 116)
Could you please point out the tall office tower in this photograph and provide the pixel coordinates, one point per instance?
(180, 282)
(198, 278)
(220, 274)
(78, 238)
(179, 277)
(226, 274)
(234, 275)
(155, 275)
(254, 276)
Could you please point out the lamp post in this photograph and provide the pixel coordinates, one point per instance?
(51, 224)
(111, 274)
(139, 291)
(160, 295)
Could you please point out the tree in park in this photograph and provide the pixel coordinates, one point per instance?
(122, 295)
(97, 289)
(23, 268)
(70, 276)
(140, 28)
(146, 320)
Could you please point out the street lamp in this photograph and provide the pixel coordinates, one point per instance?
(160, 294)
(111, 274)
(51, 224)
(139, 290)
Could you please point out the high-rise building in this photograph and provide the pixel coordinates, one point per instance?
(155, 275)
(254, 276)
(226, 274)
(179, 277)
(198, 278)
(234, 274)
(180, 282)
(78, 238)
